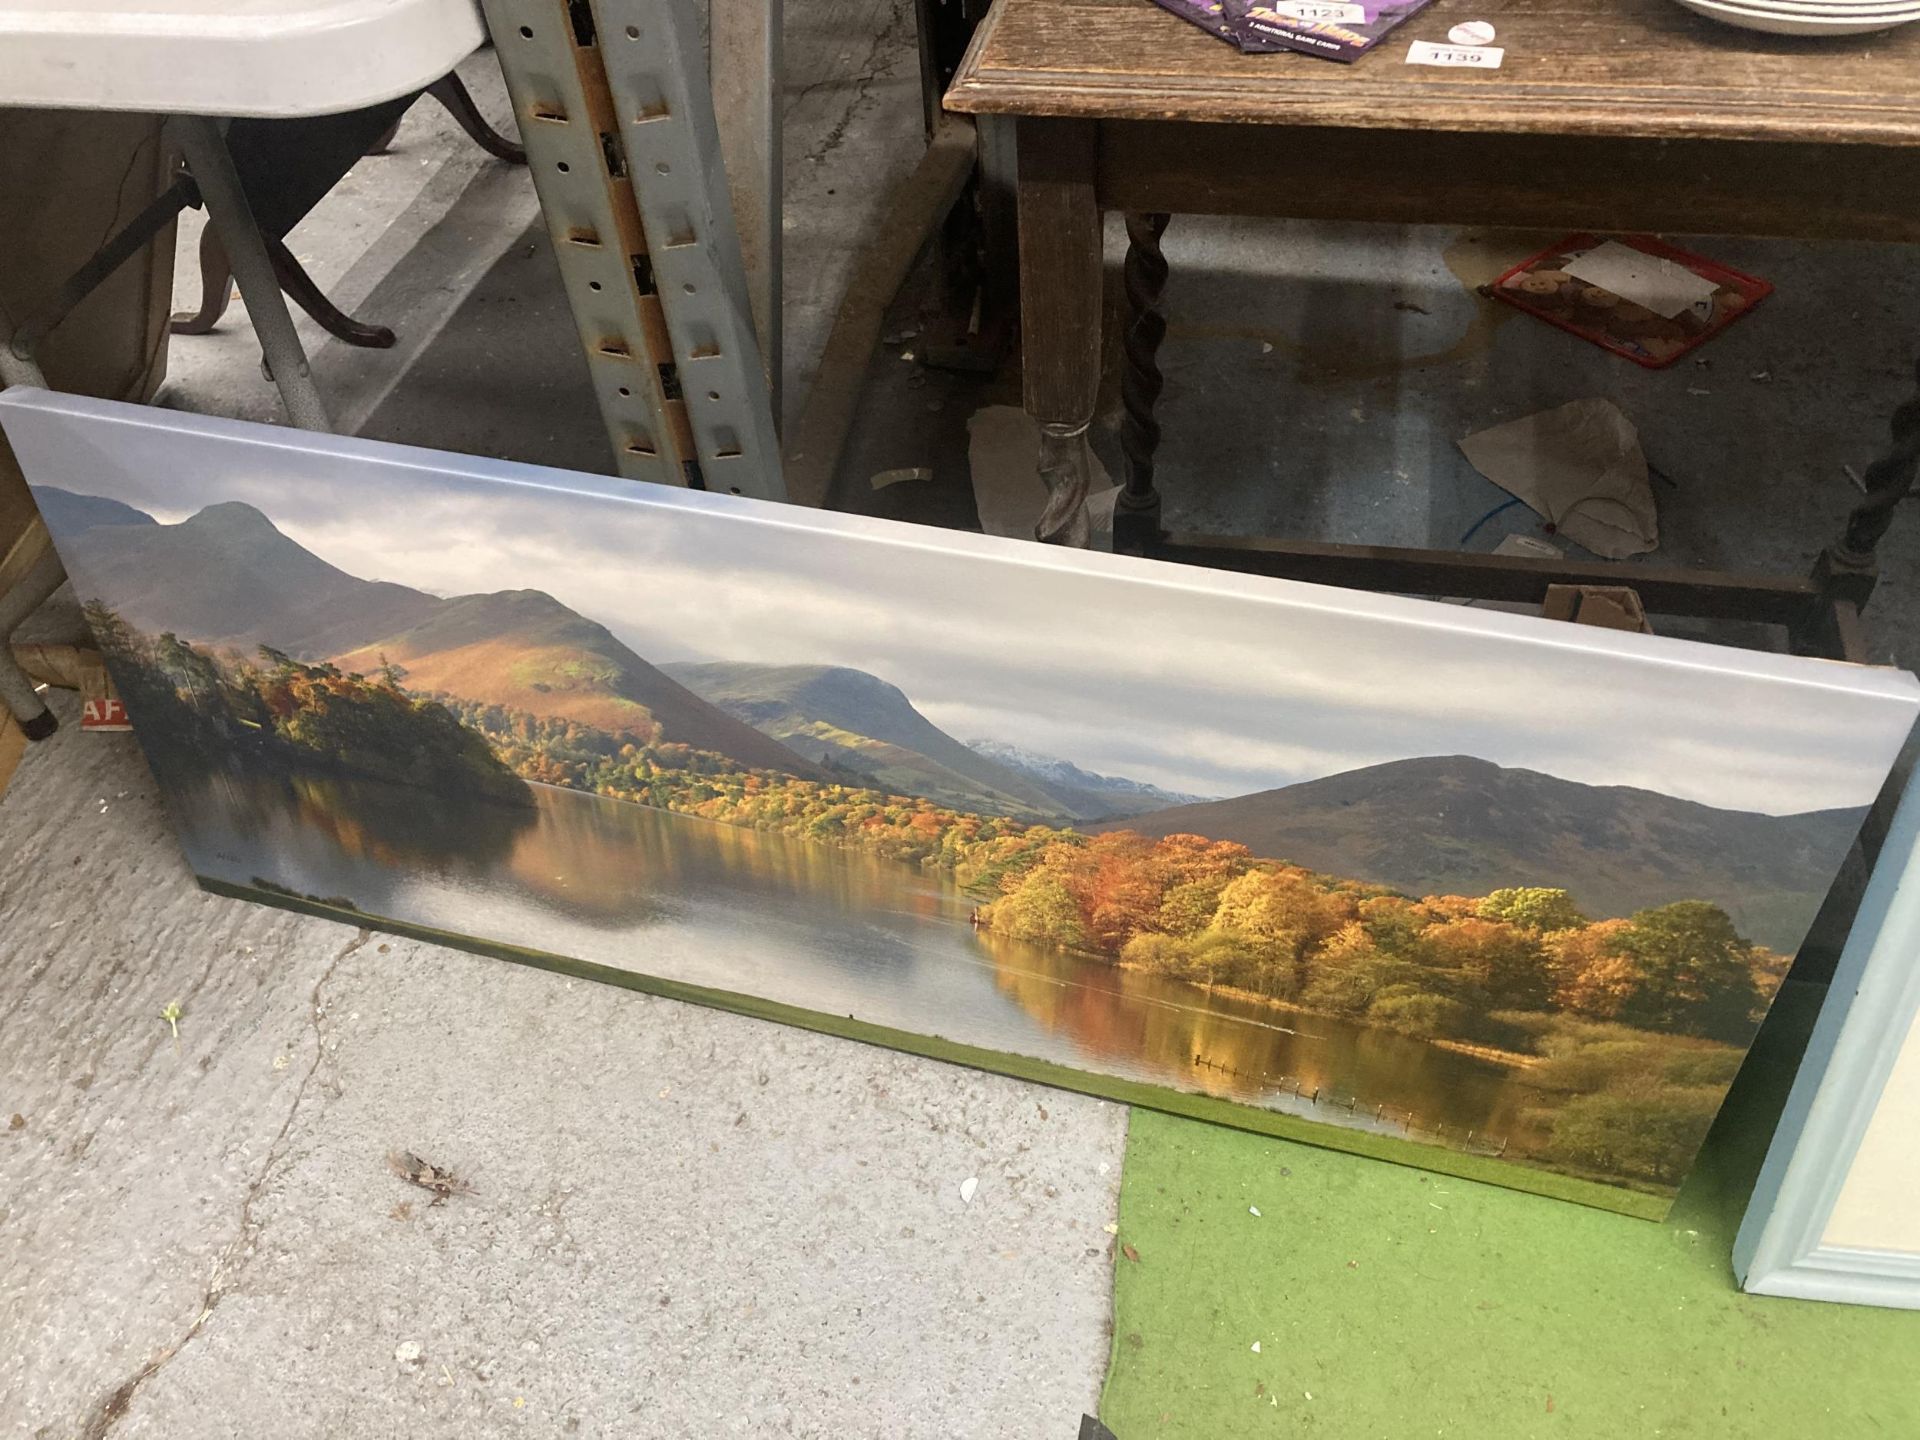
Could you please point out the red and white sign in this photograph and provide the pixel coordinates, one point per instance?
(104, 714)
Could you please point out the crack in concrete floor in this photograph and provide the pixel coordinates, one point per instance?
(115, 1404)
(682, 1222)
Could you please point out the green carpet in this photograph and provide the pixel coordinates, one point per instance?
(1390, 1303)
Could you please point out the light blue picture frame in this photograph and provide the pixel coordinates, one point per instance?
(1868, 1016)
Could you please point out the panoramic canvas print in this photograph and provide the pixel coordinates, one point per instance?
(1503, 896)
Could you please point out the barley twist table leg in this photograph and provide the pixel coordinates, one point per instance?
(1137, 508)
(1847, 571)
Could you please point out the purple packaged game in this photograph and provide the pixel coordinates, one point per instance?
(1216, 17)
(1335, 29)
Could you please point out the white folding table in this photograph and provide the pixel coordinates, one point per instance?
(199, 63)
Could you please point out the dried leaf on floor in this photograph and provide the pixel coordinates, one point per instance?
(440, 1183)
(1131, 1253)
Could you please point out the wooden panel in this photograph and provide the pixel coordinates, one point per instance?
(1691, 186)
(13, 745)
(1578, 67)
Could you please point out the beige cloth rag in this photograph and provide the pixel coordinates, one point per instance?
(1581, 467)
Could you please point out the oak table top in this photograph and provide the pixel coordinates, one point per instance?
(1628, 68)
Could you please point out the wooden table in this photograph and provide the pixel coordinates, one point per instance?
(1609, 115)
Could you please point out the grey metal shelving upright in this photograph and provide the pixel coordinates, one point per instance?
(616, 114)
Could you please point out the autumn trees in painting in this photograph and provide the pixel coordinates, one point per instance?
(310, 714)
(1212, 913)
(1628, 1029)
(1631, 1029)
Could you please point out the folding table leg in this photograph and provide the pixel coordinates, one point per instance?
(232, 216)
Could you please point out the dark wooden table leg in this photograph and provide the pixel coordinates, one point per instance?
(1136, 511)
(452, 93)
(1060, 311)
(300, 286)
(1847, 572)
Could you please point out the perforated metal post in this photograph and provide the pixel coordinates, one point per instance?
(618, 123)
(657, 69)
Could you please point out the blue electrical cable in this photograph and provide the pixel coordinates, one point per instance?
(1474, 529)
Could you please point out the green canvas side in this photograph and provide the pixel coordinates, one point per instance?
(1393, 1304)
(1044, 1072)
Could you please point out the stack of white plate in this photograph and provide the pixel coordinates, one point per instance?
(1810, 17)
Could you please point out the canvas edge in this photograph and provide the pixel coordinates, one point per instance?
(1884, 684)
(1868, 1014)
(1505, 1175)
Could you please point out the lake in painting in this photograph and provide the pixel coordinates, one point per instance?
(1503, 896)
(829, 929)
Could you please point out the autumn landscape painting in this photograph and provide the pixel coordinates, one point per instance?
(1462, 883)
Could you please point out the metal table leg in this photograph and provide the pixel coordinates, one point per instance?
(229, 212)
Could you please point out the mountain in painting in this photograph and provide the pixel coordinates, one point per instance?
(66, 511)
(226, 577)
(1084, 794)
(1459, 825)
(852, 721)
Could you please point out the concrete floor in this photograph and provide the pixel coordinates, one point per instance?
(206, 1240)
(681, 1222)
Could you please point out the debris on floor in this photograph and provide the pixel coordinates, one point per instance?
(1529, 547)
(440, 1183)
(1611, 607)
(1580, 466)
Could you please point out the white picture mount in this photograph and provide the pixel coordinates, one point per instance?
(1833, 1118)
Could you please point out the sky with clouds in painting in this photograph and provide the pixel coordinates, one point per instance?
(1137, 671)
